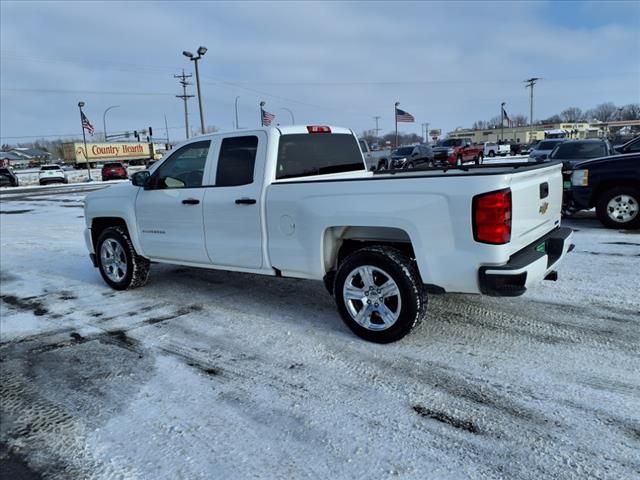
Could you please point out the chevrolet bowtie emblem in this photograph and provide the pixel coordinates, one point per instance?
(543, 208)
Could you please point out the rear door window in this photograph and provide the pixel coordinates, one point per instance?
(236, 161)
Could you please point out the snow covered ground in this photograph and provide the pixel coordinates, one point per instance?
(207, 374)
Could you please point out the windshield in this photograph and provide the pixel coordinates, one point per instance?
(454, 142)
(573, 151)
(548, 145)
(403, 151)
(50, 167)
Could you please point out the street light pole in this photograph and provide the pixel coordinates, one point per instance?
(191, 56)
(237, 126)
(293, 121)
(84, 140)
(104, 120)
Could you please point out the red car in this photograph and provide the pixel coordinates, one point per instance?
(114, 171)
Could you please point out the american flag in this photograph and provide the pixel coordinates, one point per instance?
(267, 118)
(508, 120)
(402, 116)
(86, 124)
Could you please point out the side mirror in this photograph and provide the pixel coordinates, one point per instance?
(140, 179)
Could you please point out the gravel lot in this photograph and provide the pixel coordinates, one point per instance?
(208, 374)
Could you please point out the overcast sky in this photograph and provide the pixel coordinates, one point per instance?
(340, 63)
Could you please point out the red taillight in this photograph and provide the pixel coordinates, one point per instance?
(318, 129)
(492, 217)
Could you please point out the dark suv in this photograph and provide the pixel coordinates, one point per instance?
(8, 177)
(114, 171)
(410, 157)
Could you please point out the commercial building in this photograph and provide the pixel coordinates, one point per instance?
(526, 134)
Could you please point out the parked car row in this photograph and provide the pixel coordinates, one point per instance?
(54, 173)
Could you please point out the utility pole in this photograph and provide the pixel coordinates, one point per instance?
(376, 118)
(530, 83)
(184, 97)
(166, 128)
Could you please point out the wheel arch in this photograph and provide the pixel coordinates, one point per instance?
(340, 241)
(608, 185)
(99, 224)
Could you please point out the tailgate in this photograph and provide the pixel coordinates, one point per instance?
(536, 203)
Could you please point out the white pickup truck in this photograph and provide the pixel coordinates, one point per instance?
(492, 149)
(298, 201)
(378, 159)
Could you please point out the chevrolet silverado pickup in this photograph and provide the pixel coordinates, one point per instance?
(456, 151)
(297, 201)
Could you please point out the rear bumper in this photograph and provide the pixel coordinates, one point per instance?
(527, 267)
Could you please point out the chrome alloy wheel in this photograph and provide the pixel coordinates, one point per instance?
(622, 208)
(113, 260)
(372, 298)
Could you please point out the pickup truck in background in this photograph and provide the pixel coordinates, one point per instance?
(492, 149)
(611, 185)
(457, 151)
(297, 201)
(379, 159)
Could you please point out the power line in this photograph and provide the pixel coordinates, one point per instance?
(86, 92)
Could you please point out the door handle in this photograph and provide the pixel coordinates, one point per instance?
(190, 201)
(245, 201)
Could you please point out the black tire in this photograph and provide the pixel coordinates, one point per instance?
(137, 267)
(408, 305)
(492, 153)
(619, 207)
(459, 160)
(409, 166)
(382, 165)
(480, 159)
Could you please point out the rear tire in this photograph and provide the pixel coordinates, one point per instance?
(619, 207)
(119, 264)
(379, 294)
(382, 165)
(492, 153)
(480, 159)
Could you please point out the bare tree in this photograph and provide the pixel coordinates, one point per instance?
(604, 112)
(494, 122)
(572, 114)
(479, 125)
(520, 120)
(630, 112)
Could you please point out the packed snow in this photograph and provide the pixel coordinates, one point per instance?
(216, 375)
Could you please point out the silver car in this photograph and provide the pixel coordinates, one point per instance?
(542, 150)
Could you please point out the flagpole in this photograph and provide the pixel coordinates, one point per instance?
(261, 114)
(502, 121)
(84, 140)
(395, 115)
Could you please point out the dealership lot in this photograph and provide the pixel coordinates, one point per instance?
(207, 374)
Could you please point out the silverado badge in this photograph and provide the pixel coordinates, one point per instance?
(543, 208)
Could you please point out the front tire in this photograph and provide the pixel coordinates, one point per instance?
(379, 294)
(492, 153)
(119, 264)
(619, 207)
